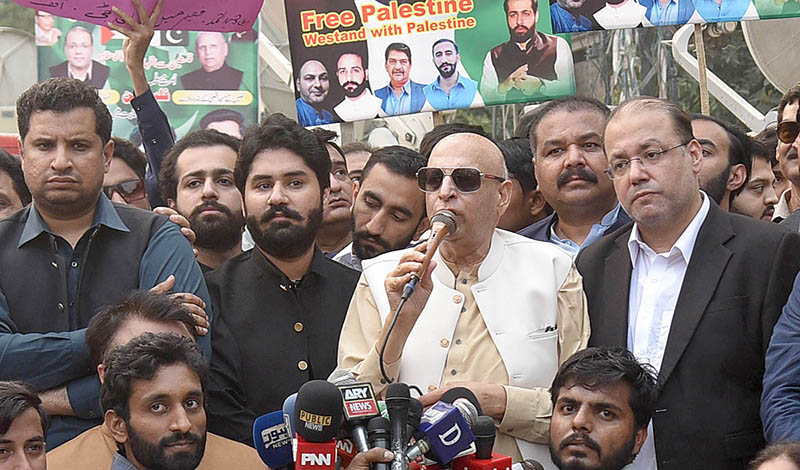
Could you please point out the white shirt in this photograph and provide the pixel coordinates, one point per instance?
(628, 15)
(367, 106)
(656, 281)
(782, 207)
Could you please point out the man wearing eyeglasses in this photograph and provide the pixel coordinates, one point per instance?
(786, 153)
(124, 181)
(495, 312)
(688, 288)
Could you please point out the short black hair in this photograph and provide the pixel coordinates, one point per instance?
(441, 131)
(769, 137)
(593, 368)
(138, 305)
(740, 152)
(223, 114)
(141, 359)
(759, 151)
(15, 399)
(13, 167)
(519, 161)
(280, 132)
(131, 155)
(792, 95)
(400, 160)
(328, 137)
(356, 146)
(534, 5)
(168, 179)
(572, 104)
(789, 450)
(433, 48)
(400, 47)
(62, 95)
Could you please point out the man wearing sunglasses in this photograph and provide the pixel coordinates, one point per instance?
(124, 182)
(495, 312)
(688, 288)
(786, 153)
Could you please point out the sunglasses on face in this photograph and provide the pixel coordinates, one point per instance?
(130, 191)
(467, 180)
(788, 131)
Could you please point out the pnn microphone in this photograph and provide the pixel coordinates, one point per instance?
(442, 224)
(397, 402)
(317, 420)
(272, 440)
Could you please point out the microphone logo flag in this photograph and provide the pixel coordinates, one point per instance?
(359, 401)
(275, 436)
(316, 460)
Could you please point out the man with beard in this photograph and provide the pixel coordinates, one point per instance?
(569, 163)
(196, 180)
(450, 90)
(402, 95)
(313, 84)
(726, 158)
(359, 102)
(153, 398)
(603, 399)
(389, 208)
(283, 301)
(567, 18)
(530, 63)
(758, 198)
(334, 234)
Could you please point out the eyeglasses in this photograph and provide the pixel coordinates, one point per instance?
(788, 131)
(466, 179)
(130, 191)
(651, 158)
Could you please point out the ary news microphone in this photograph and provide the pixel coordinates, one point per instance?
(359, 405)
(483, 458)
(317, 420)
(397, 402)
(272, 440)
(442, 224)
(447, 434)
(379, 436)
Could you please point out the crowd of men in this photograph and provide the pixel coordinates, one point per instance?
(614, 291)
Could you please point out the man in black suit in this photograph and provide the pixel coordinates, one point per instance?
(79, 47)
(689, 288)
(212, 50)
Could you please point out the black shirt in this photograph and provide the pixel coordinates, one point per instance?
(270, 335)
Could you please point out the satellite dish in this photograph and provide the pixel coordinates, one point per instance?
(775, 47)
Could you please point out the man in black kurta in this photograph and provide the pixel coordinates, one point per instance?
(280, 306)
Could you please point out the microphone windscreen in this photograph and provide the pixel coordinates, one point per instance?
(530, 464)
(288, 412)
(342, 377)
(397, 390)
(446, 217)
(455, 393)
(484, 427)
(272, 440)
(379, 425)
(318, 411)
(415, 408)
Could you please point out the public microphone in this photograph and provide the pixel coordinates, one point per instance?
(359, 405)
(317, 420)
(379, 436)
(442, 224)
(397, 402)
(446, 434)
(483, 458)
(272, 440)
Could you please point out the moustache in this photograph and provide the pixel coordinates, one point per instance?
(580, 172)
(588, 441)
(351, 84)
(283, 210)
(210, 205)
(177, 437)
(791, 153)
(363, 235)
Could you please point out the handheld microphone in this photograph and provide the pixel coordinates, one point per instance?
(317, 420)
(484, 458)
(379, 436)
(465, 401)
(446, 434)
(442, 224)
(288, 412)
(415, 409)
(359, 405)
(397, 402)
(272, 440)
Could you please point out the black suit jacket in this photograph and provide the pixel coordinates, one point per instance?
(226, 78)
(738, 279)
(100, 73)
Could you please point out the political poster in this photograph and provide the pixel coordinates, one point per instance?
(362, 59)
(200, 79)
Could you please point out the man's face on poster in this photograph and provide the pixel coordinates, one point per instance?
(313, 82)
(398, 66)
(351, 74)
(572, 4)
(211, 50)
(45, 20)
(78, 48)
(445, 58)
(521, 18)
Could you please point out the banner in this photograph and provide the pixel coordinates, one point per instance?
(586, 15)
(207, 79)
(362, 59)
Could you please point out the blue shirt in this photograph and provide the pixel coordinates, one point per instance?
(461, 95)
(597, 231)
(664, 15)
(30, 357)
(564, 22)
(728, 10)
(308, 115)
(121, 463)
(394, 105)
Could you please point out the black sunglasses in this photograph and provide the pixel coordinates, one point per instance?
(130, 191)
(788, 131)
(467, 180)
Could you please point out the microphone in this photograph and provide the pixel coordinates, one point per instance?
(442, 224)
(415, 409)
(317, 420)
(465, 401)
(288, 412)
(272, 440)
(483, 458)
(446, 434)
(359, 405)
(379, 436)
(397, 402)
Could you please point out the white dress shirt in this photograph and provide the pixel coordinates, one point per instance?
(656, 281)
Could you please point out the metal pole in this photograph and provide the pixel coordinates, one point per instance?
(705, 107)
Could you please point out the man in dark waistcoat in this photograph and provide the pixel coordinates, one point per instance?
(279, 307)
(72, 252)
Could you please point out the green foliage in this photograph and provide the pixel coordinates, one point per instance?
(16, 16)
